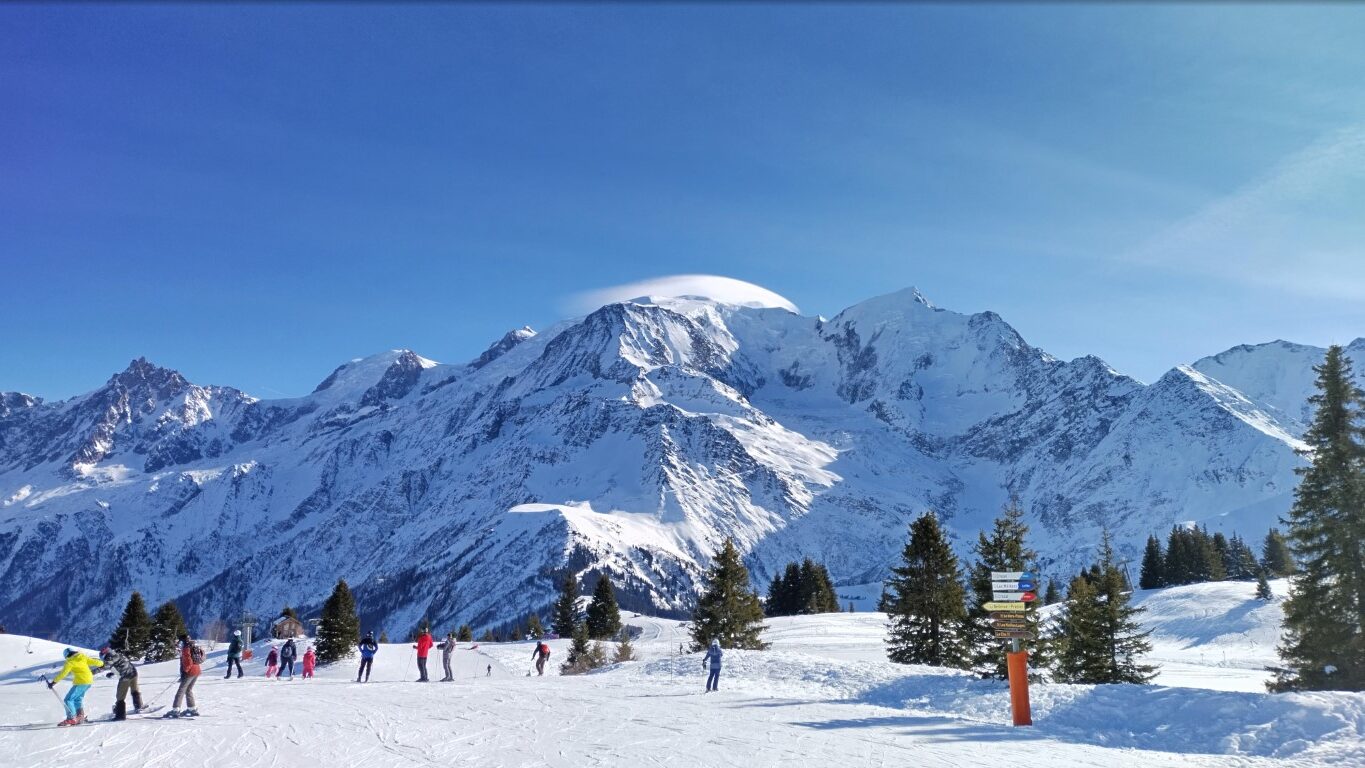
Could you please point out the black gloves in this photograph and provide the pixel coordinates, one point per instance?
(108, 674)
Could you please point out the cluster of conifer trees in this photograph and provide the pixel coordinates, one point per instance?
(801, 589)
(1192, 556)
(150, 637)
(602, 622)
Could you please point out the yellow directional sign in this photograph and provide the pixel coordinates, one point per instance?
(1010, 620)
(1011, 635)
(1010, 607)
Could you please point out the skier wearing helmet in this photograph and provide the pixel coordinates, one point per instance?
(234, 654)
(78, 666)
(127, 681)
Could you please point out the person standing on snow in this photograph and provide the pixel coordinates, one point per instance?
(287, 655)
(234, 656)
(78, 666)
(541, 654)
(447, 646)
(368, 648)
(423, 647)
(127, 681)
(272, 662)
(191, 656)
(310, 660)
(712, 662)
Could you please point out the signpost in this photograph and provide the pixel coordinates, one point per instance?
(1011, 592)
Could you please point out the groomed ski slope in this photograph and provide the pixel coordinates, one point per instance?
(822, 695)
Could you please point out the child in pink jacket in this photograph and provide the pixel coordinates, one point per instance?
(310, 660)
(272, 662)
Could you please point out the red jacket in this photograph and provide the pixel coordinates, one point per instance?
(423, 645)
(187, 665)
(309, 660)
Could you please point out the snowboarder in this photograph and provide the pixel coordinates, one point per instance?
(541, 654)
(272, 662)
(78, 666)
(234, 655)
(127, 681)
(191, 656)
(287, 655)
(447, 646)
(368, 648)
(711, 661)
(423, 647)
(310, 660)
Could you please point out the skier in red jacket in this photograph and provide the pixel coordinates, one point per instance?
(423, 647)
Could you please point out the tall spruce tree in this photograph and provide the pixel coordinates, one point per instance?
(777, 600)
(1098, 639)
(1323, 647)
(928, 609)
(604, 617)
(133, 635)
(566, 607)
(465, 634)
(1241, 561)
(533, 626)
(1003, 550)
(339, 628)
(1153, 564)
(290, 612)
(1053, 594)
(729, 610)
(167, 627)
(1276, 557)
(1263, 591)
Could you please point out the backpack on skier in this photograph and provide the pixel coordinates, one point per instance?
(197, 653)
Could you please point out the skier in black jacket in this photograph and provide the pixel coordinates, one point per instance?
(127, 681)
(287, 655)
(234, 654)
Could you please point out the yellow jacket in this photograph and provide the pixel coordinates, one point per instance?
(78, 666)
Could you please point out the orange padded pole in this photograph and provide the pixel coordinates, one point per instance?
(1017, 663)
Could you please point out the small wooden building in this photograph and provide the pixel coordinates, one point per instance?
(286, 627)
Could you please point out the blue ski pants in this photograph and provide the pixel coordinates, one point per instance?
(75, 699)
(713, 679)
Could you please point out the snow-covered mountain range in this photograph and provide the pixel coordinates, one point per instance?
(631, 440)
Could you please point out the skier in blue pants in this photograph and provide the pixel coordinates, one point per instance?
(712, 662)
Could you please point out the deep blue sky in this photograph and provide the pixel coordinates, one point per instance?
(255, 194)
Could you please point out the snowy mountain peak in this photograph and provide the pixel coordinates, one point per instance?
(500, 347)
(10, 402)
(362, 373)
(144, 377)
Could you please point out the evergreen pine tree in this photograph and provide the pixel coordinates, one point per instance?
(1098, 639)
(1002, 550)
(1222, 551)
(167, 627)
(793, 587)
(488, 637)
(1053, 594)
(1276, 558)
(1324, 616)
(604, 617)
(1177, 567)
(566, 607)
(1263, 587)
(928, 611)
(728, 610)
(534, 627)
(383, 636)
(339, 630)
(290, 612)
(777, 597)
(827, 599)
(133, 634)
(465, 634)
(1212, 553)
(624, 650)
(850, 606)
(1153, 562)
(583, 655)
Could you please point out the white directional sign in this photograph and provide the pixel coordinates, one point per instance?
(1005, 586)
(1008, 596)
(1008, 575)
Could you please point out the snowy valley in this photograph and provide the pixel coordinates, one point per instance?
(822, 694)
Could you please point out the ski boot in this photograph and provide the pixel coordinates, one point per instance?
(120, 710)
(174, 713)
(80, 716)
(70, 721)
(190, 713)
(137, 702)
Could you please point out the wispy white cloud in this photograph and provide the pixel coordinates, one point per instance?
(723, 289)
(1300, 227)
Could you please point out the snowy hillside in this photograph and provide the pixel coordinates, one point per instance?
(823, 694)
(632, 441)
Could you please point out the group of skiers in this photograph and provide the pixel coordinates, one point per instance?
(79, 667)
(423, 648)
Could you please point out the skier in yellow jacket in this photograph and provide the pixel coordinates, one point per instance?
(78, 666)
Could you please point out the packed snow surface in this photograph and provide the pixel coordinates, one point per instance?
(822, 695)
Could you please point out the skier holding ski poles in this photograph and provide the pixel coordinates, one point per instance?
(78, 666)
(234, 654)
(368, 648)
(447, 646)
(191, 656)
(127, 681)
(423, 647)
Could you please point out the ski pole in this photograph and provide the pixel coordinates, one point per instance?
(54, 692)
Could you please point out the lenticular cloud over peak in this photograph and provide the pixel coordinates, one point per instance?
(722, 289)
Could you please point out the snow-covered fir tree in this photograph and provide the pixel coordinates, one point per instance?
(729, 610)
(928, 609)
